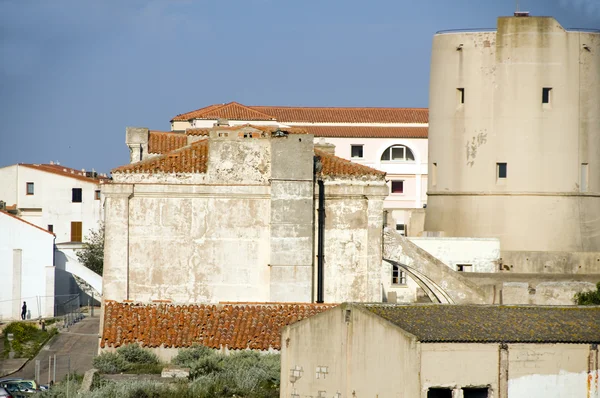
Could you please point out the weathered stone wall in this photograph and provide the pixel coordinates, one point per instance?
(353, 240)
(291, 223)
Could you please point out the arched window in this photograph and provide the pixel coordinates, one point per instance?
(397, 153)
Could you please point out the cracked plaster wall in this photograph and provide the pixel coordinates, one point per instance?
(541, 205)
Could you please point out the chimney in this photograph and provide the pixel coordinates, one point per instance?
(325, 146)
(521, 13)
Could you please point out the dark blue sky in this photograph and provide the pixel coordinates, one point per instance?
(75, 73)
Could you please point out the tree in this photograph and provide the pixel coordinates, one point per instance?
(590, 297)
(92, 254)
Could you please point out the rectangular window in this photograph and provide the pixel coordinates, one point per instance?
(76, 195)
(30, 188)
(546, 95)
(460, 93)
(434, 174)
(398, 153)
(76, 228)
(439, 393)
(356, 151)
(475, 392)
(398, 186)
(97, 194)
(398, 276)
(464, 267)
(584, 177)
(501, 170)
(50, 228)
(401, 228)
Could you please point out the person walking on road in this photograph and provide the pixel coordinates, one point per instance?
(24, 310)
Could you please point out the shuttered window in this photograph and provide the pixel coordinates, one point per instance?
(76, 235)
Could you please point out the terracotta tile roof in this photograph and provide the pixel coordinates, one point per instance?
(367, 131)
(26, 222)
(300, 114)
(165, 141)
(65, 172)
(334, 166)
(189, 159)
(345, 115)
(235, 326)
(230, 111)
(490, 324)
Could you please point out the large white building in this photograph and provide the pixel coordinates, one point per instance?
(26, 268)
(393, 140)
(64, 201)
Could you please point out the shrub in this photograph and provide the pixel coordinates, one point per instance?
(188, 356)
(133, 353)
(109, 362)
(588, 298)
(27, 339)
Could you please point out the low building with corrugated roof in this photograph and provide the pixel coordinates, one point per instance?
(443, 351)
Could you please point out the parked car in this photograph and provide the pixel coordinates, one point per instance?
(4, 393)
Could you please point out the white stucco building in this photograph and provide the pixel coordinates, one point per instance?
(64, 201)
(26, 268)
(393, 140)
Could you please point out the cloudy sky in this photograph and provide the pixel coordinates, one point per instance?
(75, 73)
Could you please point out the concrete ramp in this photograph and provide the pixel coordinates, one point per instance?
(440, 283)
(70, 263)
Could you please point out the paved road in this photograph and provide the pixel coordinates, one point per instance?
(74, 348)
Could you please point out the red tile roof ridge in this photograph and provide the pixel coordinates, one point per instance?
(366, 131)
(209, 113)
(338, 107)
(160, 162)
(64, 171)
(26, 222)
(338, 167)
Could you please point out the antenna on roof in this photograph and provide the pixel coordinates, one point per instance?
(517, 5)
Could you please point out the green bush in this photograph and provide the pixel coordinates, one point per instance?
(133, 353)
(588, 298)
(187, 356)
(27, 339)
(110, 362)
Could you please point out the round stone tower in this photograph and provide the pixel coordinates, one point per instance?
(514, 136)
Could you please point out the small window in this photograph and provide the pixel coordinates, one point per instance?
(584, 178)
(356, 151)
(398, 276)
(501, 170)
(401, 228)
(475, 392)
(97, 194)
(546, 95)
(50, 228)
(76, 229)
(397, 153)
(398, 187)
(76, 195)
(439, 393)
(464, 267)
(460, 93)
(30, 188)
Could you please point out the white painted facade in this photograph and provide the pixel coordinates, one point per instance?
(463, 254)
(51, 202)
(26, 269)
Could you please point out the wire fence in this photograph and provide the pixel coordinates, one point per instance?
(68, 307)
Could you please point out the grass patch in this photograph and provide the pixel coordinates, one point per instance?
(27, 339)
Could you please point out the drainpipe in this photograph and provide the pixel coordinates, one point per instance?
(320, 240)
